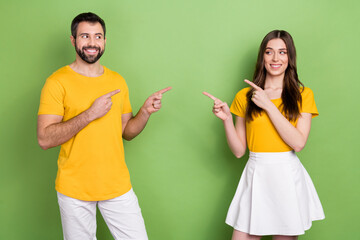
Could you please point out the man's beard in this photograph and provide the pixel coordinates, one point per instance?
(92, 58)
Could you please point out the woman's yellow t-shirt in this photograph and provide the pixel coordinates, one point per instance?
(91, 165)
(261, 135)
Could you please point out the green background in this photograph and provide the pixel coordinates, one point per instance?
(181, 168)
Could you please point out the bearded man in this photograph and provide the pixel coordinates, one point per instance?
(85, 108)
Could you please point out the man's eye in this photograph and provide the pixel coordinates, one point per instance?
(98, 37)
(84, 36)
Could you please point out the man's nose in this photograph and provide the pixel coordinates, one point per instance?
(92, 41)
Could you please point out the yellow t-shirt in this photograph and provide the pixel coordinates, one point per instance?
(91, 165)
(261, 135)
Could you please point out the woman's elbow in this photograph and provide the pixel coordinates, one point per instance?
(239, 154)
(299, 147)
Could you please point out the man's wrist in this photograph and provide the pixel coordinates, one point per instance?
(144, 112)
(88, 117)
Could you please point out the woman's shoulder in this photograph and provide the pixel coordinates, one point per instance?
(241, 95)
(243, 92)
(306, 92)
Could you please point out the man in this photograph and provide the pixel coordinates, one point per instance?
(85, 108)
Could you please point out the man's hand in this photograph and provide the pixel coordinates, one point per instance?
(153, 103)
(132, 126)
(220, 109)
(101, 106)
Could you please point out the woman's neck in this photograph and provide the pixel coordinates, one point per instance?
(274, 82)
(274, 86)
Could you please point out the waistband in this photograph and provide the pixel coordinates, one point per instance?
(273, 157)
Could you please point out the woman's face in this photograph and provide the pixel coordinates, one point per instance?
(275, 57)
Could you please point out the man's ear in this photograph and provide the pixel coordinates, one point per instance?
(72, 39)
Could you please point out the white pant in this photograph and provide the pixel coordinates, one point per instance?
(122, 216)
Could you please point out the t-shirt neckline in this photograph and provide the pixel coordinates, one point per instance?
(73, 71)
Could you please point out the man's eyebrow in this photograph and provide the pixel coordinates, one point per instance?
(89, 33)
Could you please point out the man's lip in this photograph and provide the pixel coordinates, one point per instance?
(91, 50)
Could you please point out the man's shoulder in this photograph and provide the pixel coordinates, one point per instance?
(61, 72)
(112, 73)
(115, 76)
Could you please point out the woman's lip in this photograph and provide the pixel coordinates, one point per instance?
(275, 65)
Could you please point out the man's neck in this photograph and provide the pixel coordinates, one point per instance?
(86, 69)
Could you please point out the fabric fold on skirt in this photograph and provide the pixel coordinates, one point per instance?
(275, 196)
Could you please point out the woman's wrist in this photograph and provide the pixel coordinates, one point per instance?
(228, 119)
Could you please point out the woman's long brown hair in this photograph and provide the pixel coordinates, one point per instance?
(291, 95)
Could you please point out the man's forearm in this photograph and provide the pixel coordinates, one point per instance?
(136, 124)
(52, 132)
(58, 133)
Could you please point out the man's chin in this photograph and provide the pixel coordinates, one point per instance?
(90, 60)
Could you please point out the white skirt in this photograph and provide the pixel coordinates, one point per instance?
(275, 196)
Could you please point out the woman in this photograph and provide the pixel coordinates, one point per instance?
(275, 195)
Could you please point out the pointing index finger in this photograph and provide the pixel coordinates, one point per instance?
(253, 85)
(164, 90)
(112, 93)
(210, 96)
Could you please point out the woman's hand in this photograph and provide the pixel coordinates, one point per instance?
(259, 97)
(220, 109)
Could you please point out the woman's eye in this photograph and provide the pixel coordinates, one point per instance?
(268, 52)
(283, 52)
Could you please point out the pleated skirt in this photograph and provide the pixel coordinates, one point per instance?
(275, 196)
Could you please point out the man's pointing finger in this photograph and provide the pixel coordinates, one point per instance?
(112, 93)
(164, 90)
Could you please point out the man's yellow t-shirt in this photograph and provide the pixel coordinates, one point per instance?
(261, 135)
(91, 165)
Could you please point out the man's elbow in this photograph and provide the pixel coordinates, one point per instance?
(128, 135)
(43, 147)
(127, 138)
(43, 144)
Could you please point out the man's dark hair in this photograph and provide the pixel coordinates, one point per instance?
(86, 17)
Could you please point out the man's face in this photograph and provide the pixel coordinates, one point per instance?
(89, 42)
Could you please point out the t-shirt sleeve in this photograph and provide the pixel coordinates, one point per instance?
(52, 98)
(127, 105)
(238, 106)
(308, 102)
